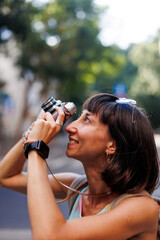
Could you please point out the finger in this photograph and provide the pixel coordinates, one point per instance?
(48, 117)
(61, 116)
(38, 121)
(27, 135)
(41, 114)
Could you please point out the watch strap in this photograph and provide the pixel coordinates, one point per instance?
(40, 146)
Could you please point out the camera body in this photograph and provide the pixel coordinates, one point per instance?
(69, 108)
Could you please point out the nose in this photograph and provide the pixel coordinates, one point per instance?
(71, 128)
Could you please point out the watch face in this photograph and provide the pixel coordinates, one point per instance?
(43, 149)
(40, 146)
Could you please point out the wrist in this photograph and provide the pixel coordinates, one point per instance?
(40, 147)
(33, 156)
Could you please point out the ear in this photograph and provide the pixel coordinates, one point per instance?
(111, 147)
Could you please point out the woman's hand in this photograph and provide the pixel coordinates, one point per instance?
(45, 127)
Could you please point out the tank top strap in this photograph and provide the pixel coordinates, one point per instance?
(117, 200)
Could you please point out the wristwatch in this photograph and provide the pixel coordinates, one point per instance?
(40, 146)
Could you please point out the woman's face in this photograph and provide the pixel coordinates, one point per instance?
(88, 137)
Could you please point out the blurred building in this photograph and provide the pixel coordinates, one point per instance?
(14, 96)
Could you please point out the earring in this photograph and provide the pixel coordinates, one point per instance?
(108, 157)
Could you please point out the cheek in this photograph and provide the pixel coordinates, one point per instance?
(96, 142)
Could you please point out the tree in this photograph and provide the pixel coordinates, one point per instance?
(146, 84)
(128, 73)
(60, 47)
(146, 57)
(15, 18)
(59, 43)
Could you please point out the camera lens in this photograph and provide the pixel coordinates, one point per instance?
(48, 106)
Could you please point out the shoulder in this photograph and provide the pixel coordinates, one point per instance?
(141, 212)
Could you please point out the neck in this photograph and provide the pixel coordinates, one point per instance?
(95, 183)
(92, 205)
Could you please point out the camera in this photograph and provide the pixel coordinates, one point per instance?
(69, 108)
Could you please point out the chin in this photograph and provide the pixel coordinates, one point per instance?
(71, 155)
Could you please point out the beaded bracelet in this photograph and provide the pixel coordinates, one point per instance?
(25, 136)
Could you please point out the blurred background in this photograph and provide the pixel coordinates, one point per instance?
(71, 49)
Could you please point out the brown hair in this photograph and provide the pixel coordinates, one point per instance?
(134, 165)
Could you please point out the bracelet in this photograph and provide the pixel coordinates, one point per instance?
(28, 141)
(24, 136)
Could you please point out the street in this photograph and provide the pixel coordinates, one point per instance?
(14, 219)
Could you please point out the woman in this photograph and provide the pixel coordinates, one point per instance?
(114, 141)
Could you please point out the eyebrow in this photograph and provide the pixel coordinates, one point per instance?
(88, 114)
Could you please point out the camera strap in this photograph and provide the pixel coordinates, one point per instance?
(74, 191)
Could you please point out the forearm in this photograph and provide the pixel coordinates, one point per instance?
(13, 162)
(45, 215)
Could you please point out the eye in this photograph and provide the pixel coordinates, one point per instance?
(86, 119)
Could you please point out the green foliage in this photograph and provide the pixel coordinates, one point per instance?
(146, 58)
(145, 84)
(15, 16)
(128, 73)
(60, 46)
(151, 105)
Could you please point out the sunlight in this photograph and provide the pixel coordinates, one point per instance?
(129, 21)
